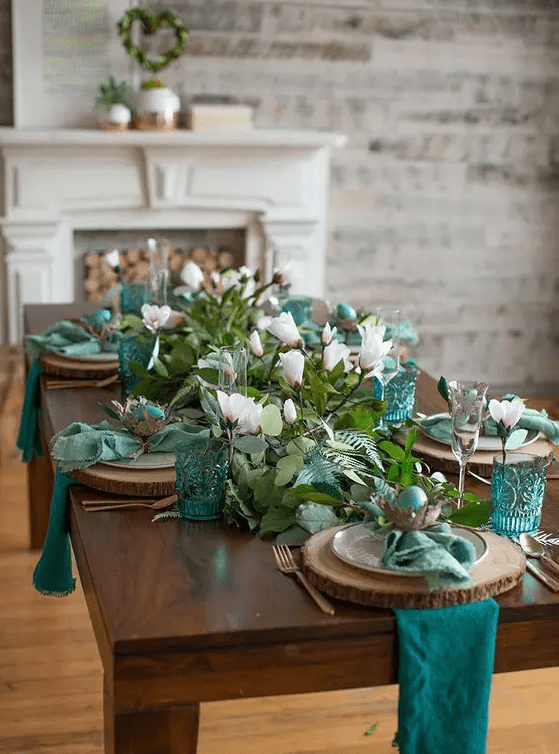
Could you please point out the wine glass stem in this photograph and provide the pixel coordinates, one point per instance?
(461, 479)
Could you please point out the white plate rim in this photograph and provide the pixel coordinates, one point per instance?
(131, 466)
(474, 536)
(103, 357)
(485, 442)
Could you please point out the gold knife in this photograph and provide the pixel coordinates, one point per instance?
(549, 581)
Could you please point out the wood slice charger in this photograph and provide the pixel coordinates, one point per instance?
(497, 572)
(65, 366)
(133, 482)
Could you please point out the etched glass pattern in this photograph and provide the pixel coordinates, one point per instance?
(133, 296)
(132, 350)
(517, 492)
(201, 476)
(399, 394)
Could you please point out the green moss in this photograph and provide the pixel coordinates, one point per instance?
(154, 84)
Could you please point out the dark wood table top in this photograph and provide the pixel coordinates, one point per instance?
(157, 589)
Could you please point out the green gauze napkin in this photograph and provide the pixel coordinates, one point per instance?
(437, 554)
(70, 339)
(82, 445)
(29, 437)
(439, 426)
(53, 572)
(446, 661)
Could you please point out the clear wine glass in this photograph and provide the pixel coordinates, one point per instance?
(466, 410)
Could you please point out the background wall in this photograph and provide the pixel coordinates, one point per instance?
(445, 199)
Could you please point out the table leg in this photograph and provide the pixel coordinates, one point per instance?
(166, 730)
(40, 478)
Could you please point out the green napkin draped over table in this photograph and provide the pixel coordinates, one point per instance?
(29, 437)
(70, 339)
(439, 425)
(53, 572)
(77, 447)
(446, 658)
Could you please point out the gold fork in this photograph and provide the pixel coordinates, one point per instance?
(108, 505)
(286, 564)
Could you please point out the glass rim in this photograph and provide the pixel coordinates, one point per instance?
(528, 458)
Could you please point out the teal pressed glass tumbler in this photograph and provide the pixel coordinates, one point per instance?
(399, 394)
(133, 295)
(133, 349)
(201, 476)
(517, 492)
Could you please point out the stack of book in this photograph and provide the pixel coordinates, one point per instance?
(218, 117)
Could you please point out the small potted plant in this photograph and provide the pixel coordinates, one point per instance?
(115, 104)
(157, 106)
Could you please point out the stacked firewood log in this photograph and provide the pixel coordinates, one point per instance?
(134, 264)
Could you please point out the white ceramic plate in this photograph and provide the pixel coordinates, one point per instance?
(145, 461)
(485, 442)
(359, 547)
(103, 356)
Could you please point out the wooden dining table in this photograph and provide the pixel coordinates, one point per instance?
(190, 612)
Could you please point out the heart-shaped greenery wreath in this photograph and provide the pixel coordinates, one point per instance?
(151, 23)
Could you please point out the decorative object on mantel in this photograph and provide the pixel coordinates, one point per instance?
(209, 113)
(115, 102)
(157, 106)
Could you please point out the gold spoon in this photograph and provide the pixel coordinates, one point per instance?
(534, 549)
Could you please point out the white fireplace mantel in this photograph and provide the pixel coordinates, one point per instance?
(274, 183)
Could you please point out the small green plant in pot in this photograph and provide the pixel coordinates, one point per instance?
(115, 103)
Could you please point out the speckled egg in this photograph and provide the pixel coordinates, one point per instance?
(345, 311)
(412, 497)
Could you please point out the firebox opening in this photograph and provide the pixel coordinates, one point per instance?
(211, 249)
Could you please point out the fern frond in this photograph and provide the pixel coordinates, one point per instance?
(362, 442)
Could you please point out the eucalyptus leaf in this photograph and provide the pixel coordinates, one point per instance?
(276, 520)
(271, 421)
(249, 443)
(473, 514)
(516, 439)
(314, 517)
(287, 467)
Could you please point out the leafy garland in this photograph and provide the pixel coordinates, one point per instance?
(150, 24)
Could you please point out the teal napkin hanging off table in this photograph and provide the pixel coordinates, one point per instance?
(29, 437)
(53, 572)
(446, 659)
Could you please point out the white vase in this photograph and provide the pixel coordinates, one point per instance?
(116, 118)
(157, 109)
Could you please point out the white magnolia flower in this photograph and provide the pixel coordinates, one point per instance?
(229, 279)
(155, 317)
(215, 278)
(264, 322)
(327, 334)
(373, 348)
(335, 352)
(293, 363)
(289, 411)
(506, 412)
(112, 258)
(192, 276)
(256, 344)
(245, 411)
(285, 329)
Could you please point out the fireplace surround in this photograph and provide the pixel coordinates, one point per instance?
(272, 183)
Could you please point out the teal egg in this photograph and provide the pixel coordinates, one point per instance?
(100, 317)
(412, 497)
(345, 311)
(154, 411)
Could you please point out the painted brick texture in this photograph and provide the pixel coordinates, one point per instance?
(445, 200)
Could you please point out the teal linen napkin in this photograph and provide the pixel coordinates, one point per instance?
(81, 445)
(29, 437)
(71, 340)
(439, 425)
(446, 659)
(437, 554)
(53, 573)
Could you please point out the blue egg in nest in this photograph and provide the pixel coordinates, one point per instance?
(412, 497)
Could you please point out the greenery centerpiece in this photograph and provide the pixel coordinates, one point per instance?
(304, 445)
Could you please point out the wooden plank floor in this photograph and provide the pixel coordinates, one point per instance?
(50, 673)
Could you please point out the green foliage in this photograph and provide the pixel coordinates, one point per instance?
(153, 84)
(111, 93)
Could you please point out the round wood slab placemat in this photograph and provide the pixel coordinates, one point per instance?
(442, 458)
(134, 482)
(500, 570)
(64, 366)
